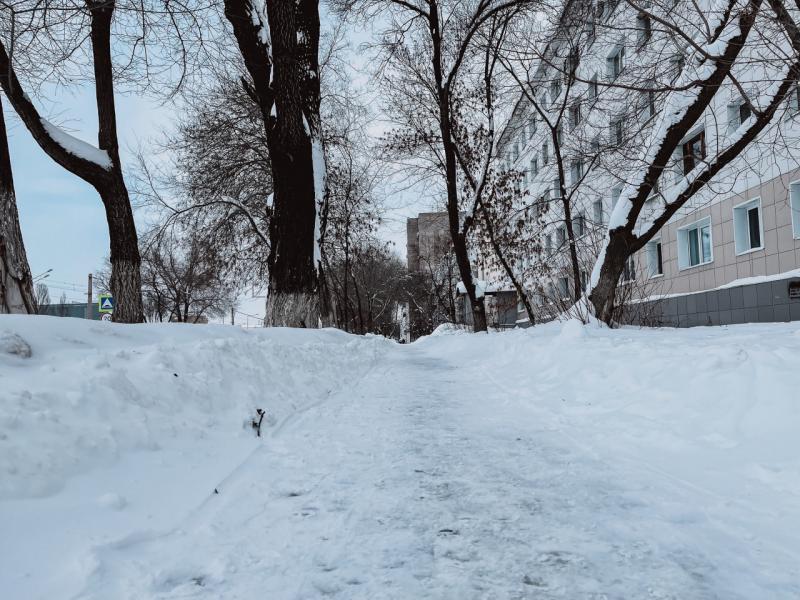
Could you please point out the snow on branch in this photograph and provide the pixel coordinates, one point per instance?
(76, 147)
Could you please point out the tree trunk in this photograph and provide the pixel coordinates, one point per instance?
(458, 237)
(126, 278)
(285, 83)
(16, 283)
(603, 295)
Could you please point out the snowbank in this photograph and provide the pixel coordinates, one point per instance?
(90, 391)
(715, 411)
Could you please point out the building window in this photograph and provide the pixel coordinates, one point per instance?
(593, 88)
(597, 210)
(694, 244)
(555, 90)
(548, 243)
(534, 168)
(644, 30)
(629, 270)
(794, 201)
(747, 226)
(738, 113)
(615, 62)
(563, 288)
(655, 261)
(556, 188)
(561, 236)
(579, 225)
(571, 64)
(545, 153)
(617, 132)
(678, 62)
(650, 101)
(584, 280)
(559, 135)
(595, 144)
(532, 126)
(693, 151)
(576, 171)
(794, 99)
(574, 115)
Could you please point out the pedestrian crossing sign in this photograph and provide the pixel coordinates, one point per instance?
(105, 303)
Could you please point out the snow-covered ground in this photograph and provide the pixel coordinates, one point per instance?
(559, 462)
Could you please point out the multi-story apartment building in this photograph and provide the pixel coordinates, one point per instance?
(427, 240)
(595, 93)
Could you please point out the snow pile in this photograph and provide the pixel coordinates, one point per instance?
(90, 391)
(561, 461)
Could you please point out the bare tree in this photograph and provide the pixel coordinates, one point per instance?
(183, 279)
(16, 284)
(42, 296)
(431, 55)
(99, 166)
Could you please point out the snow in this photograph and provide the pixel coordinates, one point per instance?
(77, 147)
(483, 287)
(560, 461)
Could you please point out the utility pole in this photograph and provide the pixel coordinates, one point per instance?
(89, 298)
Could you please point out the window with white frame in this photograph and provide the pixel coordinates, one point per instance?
(597, 211)
(644, 29)
(584, 280)
(559, 135)
(794, 99)
(649, 100)
(545, 153)
(574, 115)
(532, 126)
(576, 171)
(738, 113)
(616, 131)
(593, 89)
(579, 224)
(534, 168)
(693, 151)
(629, 270)
(615, 62)
(555, 90)
(541, 206)
(694, 244)
(563, 288)
(556, 188)
(655, 260)
(794, 202)
(747, 226)
(548, 242)
(561, 236)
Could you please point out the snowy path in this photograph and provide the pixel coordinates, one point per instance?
(430, 480)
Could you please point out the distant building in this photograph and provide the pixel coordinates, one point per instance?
(427, 239)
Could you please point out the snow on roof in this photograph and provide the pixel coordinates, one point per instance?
(484, 287)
